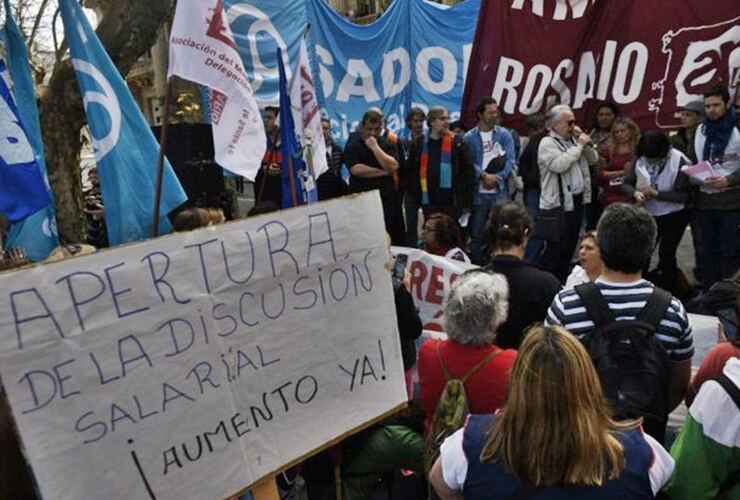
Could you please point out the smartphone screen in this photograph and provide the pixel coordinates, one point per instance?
(399, 266)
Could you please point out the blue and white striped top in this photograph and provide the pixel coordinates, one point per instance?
(625, 301)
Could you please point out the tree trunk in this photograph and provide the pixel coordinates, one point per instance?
(127, 29)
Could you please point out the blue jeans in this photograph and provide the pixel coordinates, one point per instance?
(481, 210)
(720, 240)
(534, 246)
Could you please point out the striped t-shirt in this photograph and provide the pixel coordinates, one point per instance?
(625, 300)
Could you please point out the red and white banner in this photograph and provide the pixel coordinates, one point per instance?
(202, 50)
(432, 277)
(306, 114)
(647, 56)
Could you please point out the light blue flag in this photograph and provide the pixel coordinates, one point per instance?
(125, 148)
(37, 233)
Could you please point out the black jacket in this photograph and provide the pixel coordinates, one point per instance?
(531, 292)
(464, 180)
(409, 323)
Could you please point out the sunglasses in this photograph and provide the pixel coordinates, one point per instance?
(571, 123)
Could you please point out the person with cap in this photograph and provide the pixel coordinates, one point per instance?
(691, 116)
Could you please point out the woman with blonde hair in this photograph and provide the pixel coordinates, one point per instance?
(618, 160)
(554, 438)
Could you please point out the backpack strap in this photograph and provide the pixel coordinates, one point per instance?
(441, 363)
(730, 388)
(655, 307)
(488, 357)
(596, 305)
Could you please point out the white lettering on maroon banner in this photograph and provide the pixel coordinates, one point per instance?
(643, 55)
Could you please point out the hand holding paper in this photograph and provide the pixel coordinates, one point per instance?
(701, 172)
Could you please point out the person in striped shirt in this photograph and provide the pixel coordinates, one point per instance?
(626, 236)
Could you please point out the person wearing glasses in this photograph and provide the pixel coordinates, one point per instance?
(441, 235)
(565, 187)
(442, 170)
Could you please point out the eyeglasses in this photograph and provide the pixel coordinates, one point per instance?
(571, 123)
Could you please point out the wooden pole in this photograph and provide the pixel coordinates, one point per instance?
(160, 160)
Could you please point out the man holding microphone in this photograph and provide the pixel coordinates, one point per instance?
(565, 187)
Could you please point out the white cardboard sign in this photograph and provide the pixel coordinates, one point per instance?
(432, 277)
(192, 365)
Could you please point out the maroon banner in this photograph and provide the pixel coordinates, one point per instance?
(646, 56)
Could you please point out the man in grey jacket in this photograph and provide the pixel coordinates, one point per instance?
(563, 158)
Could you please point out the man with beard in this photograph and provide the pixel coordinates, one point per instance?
(717, 141)
(492, 149)
(372, 163)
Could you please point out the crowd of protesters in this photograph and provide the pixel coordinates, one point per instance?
(530, 335)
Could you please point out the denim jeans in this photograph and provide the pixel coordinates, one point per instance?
(534, 246)
(720, 239)
(481, 211)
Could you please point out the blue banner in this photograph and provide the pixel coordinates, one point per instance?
(416, 54)
(36, 234)
(125, 149)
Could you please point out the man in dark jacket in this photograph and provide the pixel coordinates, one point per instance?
(330, 184)
(442, 170)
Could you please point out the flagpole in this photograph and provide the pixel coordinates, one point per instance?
(160, 159)
(291, 173)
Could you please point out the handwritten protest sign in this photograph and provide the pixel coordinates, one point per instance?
(193, 365)
(431, 279)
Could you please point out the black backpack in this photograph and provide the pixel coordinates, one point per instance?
(630, 361)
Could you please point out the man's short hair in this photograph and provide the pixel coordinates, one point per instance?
(372, 116)
(718, 91)
(415, 113)
(485, 101)
(273, 109)
(535, 122)
(434, 113)
(458, 124)
(626, 235)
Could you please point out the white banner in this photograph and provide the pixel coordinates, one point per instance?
(193, 365)
(432, 277)
(306, 114)
(202, 50)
